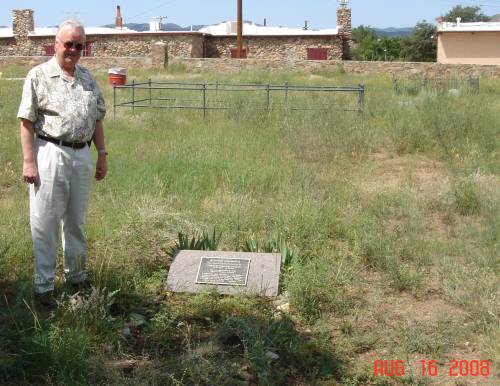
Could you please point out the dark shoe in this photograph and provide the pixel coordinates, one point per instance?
(46, 299)
(81, 285)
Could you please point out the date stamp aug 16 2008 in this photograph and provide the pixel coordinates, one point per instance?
(433, 368)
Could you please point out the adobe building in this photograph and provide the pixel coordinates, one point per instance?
(468, 43)
(260, 42)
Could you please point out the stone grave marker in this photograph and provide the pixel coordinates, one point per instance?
(230, 273)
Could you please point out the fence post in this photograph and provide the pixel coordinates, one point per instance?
(133, 97)
(150, 91)
(424, 83)
(395, 88)
(204, 91)
(361, 98)
(268, 96)
(286, 94)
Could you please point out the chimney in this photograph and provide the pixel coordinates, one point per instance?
(344, 18)
(305, 25)
(22, 22)
(265, 22)
(118, 18)
(459, 20)
(345, 26)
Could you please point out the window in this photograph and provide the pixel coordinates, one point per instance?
(317, 54)
(87, 50)
(234, 53)
(49, 50)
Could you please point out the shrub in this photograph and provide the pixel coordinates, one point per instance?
(467, 199)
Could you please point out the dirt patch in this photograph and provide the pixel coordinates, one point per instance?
(427, 306)
(390, 172)
(3, 192)
(403, 306)
(436, 221)
(428, 180)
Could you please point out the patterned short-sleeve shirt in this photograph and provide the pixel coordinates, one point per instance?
(60, 107)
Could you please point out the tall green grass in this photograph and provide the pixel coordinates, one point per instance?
(306, 177)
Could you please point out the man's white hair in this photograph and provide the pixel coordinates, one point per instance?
(70, 24)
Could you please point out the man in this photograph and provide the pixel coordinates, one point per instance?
(61, 111)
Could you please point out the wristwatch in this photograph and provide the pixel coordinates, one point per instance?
(102, 152)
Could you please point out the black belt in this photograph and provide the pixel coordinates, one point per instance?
(73, 145)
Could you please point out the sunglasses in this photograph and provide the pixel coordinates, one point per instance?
(70, 45)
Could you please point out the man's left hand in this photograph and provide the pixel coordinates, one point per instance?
(101, 167)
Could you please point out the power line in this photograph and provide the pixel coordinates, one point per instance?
(152, 9)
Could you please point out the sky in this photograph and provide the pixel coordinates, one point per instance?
(290, 13)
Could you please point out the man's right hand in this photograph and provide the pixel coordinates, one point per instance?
(30, 173)
(30, 169)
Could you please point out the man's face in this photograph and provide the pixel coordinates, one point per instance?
(66, 47)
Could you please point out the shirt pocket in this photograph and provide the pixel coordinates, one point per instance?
(89, 101)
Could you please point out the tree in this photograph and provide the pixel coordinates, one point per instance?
(368, 45)
(365, 39)
(420, 46)
(467, 14)
(390, 48)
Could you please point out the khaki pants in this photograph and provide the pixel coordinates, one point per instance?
(59, 203)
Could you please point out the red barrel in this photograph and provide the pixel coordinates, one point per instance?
(117, 79)
(117, 76)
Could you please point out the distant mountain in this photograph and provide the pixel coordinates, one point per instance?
(393, 32)
(166, 27)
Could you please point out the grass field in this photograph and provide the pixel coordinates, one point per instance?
(392, 216)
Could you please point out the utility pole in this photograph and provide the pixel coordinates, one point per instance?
(239, 33)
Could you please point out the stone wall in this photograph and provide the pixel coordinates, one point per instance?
(185, 45)
(418, 68)
(178, 45)
(274, 47)
(21, 61)
(32, 46)
(96, 64)
(158, 60)
(108, 46)
(7, 46)
(348, 67)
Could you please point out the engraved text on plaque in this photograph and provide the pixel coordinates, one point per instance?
(223, 271)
